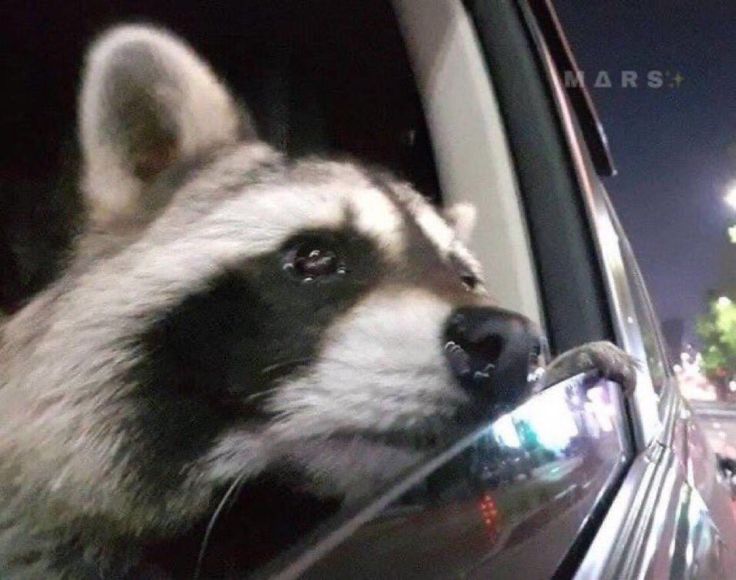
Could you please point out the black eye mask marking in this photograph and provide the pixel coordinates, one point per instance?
(211, 362)
(318, 258)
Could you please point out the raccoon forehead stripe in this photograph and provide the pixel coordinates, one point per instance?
(434, 228)
(376, 216)
(266, 217)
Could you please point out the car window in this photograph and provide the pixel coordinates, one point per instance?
(509, 501)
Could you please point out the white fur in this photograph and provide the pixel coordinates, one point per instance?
(446, 234)
(462, 217)
(380, 369)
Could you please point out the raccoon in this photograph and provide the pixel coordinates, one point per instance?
(229, 313)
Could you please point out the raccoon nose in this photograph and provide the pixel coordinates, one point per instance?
(493, 353)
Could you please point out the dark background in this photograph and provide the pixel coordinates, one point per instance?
(675, 147)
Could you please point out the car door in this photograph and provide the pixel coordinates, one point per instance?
(514, 499)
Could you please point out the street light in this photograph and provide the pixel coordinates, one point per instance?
(731, 196)
(730, 199)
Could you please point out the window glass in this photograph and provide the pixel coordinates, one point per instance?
(508, 502)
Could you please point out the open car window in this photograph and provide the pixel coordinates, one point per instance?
(514, 499)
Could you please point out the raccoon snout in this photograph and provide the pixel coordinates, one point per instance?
(490, 352)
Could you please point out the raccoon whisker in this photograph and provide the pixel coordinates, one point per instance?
(260, 394)
(282, 364)
(231, 493)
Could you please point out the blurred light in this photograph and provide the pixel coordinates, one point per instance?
(489, 513)
(732, 386)
(551, 419)
(691, 379)
(723, 302)
(732, 234)
(731, 196)
(597, 407)
(505, 431)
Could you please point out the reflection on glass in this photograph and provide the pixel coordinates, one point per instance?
(508, 503)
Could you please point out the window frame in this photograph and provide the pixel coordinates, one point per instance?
(573, 293)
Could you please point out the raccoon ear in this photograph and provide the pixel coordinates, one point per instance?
(147, 100)
(461, 218)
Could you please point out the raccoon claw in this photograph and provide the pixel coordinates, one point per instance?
(608, 359)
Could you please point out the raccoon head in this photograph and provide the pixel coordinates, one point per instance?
(232, 312)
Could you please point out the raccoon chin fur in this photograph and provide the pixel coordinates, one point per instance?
(230, 319)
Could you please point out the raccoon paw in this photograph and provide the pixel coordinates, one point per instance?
(608, 359)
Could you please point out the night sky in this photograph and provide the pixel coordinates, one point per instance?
(675, 147)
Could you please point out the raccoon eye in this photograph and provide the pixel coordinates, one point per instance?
(467, 277)
(469, 280)
(310, 260)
